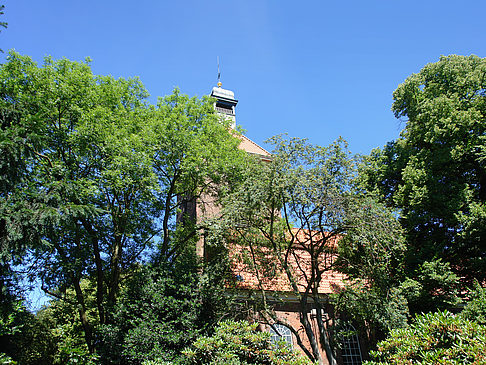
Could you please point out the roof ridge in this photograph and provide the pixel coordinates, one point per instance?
(256, 144)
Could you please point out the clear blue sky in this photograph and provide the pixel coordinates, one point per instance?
(315, 69)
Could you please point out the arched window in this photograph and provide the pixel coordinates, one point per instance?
(281, 332)
(350, 350)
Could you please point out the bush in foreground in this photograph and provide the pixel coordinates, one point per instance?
(240, 343)
(434, 338)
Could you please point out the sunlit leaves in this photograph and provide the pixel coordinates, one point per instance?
(435, 172)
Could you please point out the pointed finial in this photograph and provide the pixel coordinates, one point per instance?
(219, 76)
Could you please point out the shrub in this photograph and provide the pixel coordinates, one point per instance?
(238, 342)
(475, 309)
(157, 362)
(434, 338)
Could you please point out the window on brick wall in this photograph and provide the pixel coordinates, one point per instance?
(350, 349)
(280, 333)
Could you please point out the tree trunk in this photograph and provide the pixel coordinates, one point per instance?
(310, 334)
(99, 269)
(115, 269)
(99, 280)
(165, 221)
(88, 336)
(324, 336)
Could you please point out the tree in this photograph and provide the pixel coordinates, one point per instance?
(194, 155)
(85, 179)
(164, 307)
(2, 24)
(100, 175)
(435, 172)
(286, 216)
(475, 309)
(371, 254)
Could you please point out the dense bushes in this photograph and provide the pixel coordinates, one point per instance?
(161, 311)
(434, 338)
(24, 339)
(237, 343)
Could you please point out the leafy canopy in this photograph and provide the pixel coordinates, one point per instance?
(435, 172)
(92, 178)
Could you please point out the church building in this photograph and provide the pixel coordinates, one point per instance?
(287, 324)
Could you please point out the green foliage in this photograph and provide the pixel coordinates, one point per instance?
(163, 308)
(93, 179)
(70, 353)
(23, 337)
(435, 173)
(433, 286)
(373, 246)
(371, 253)
(156, 362)
(6, 360)
(7, 320)
(475, 309)
(240, 343)
(434, 338)
(60, 316)
(157, 316)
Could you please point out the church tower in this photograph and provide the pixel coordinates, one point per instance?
(225, 103)
(225, 106)
(195, 209)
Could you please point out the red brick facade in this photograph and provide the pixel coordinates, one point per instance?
(250, 278)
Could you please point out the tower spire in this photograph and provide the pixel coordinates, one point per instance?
(219, 75)
(225, 102)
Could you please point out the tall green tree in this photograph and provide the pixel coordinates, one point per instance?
(435, 172)
(86, 177)
(371, 254)
(98, 177)
(286, 216)
(194, 156)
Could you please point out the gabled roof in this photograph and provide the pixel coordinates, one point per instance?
(251, 147)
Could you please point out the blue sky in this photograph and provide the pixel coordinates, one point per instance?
(313, 69)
